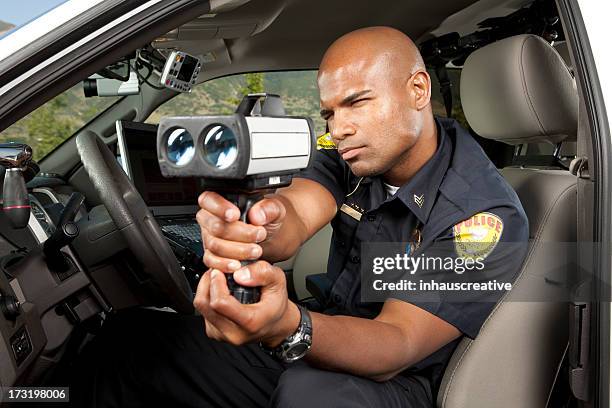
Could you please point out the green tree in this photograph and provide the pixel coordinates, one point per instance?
(254, 83)
(49, 126)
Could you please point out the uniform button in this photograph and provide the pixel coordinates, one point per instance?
(371, 217)
(355, 259)
(337, 299)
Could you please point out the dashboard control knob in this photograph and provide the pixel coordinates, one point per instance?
(66, 231)
(9, 306)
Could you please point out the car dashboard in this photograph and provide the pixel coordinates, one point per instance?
(40, 305)
(43, 298)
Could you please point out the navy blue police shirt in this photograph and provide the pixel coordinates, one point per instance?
(456, 188)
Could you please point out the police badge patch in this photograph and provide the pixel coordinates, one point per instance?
(477, 236)
(325, 142)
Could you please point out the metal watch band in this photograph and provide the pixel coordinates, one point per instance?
(296, 345)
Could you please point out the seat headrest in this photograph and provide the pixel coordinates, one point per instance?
(519, 90)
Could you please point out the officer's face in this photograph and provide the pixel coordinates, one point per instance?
(371, 113)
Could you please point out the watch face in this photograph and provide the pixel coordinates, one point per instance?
(297, 351)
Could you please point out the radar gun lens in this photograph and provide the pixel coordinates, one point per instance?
(180, 147)
(220, 146)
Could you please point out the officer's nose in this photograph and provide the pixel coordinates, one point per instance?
(340, 127)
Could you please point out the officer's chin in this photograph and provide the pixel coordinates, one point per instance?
(361, 169)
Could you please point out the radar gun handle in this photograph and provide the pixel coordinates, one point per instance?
(244, 294)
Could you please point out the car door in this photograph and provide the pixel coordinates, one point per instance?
(590, 319)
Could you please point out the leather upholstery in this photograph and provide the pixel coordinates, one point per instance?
(514, 359)
(519, 90)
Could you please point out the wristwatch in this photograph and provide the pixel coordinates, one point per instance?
(296, 345)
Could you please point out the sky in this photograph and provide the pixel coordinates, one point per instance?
(20, 12)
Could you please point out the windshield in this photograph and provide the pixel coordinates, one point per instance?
(297, 89)
(13, 14)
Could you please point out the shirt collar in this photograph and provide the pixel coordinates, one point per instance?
(420, 192)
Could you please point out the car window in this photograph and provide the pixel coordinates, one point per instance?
(437, 101)
(297, 89)
(48, 126)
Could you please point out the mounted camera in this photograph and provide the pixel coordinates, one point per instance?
(243, 156)
(97, 85)
(117, 79)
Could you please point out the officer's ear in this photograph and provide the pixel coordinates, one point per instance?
(420, 84)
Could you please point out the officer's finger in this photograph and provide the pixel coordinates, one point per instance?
(219, 206)
(221, 301)
(201, 298)
(219, 328)
(212, 332)
(212, 289)
(223, 264)
(248, 319)
(213, 319)
(218, 287)
(260, 273)
(267, 211)
(231, 231)
(231, 249)
(227, 331)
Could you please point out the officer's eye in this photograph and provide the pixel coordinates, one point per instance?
(359, 102)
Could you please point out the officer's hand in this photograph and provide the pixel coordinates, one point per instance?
(270, 320)
(228, 240)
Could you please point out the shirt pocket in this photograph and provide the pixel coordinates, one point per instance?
(344, 227)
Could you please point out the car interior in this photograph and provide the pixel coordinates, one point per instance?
(106, 232)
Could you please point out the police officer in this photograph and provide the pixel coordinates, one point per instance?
(387, 172)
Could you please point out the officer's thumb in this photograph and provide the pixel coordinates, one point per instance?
(267, 211)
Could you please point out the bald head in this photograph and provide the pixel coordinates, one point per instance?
(375, 96)
(387, 47)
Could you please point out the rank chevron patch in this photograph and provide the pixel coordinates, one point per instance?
(419, 200)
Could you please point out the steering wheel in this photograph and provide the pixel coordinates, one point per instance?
(132, 217)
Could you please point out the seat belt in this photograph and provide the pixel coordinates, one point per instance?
(445, 88)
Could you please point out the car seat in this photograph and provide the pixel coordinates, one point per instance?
(519, 90)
